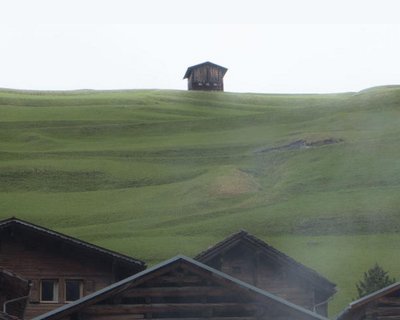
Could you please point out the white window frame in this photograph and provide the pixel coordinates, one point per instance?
(55, 291)
(80, 289)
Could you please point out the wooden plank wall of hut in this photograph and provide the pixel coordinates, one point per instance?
(385, 308)
(206, 78)
(179, 294)
(43, 262)
(267, 275)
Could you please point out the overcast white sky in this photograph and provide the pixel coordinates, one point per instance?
(268, 46)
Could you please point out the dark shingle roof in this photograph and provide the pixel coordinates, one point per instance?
(15, 287)
(124, 284)
(243, 237)
(11, 275)
(5, 316)
(51, 234)
(190, 69)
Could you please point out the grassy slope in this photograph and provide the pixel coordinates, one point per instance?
(156, 173)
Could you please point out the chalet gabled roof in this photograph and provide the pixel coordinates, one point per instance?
(5, 316)
(15, 287)
(362, 302)
(54, 235)
(243, 237)
(20, 285)
(190, 69)
(122, 285)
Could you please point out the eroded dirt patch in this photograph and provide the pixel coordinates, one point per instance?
(300, 144)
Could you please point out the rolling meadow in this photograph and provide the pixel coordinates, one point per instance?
(154, 173)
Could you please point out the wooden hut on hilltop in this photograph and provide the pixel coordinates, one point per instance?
(206, 76)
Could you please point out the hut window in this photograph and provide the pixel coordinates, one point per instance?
(73, 290)
(49, 290)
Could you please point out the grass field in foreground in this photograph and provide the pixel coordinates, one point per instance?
(155, 173)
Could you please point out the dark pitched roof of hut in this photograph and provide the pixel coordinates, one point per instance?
(19, 284)
(178, 261)
(190, 69)
(5, 316)
(15, 287)
(54, 235)
(243, 237)
(364, 301)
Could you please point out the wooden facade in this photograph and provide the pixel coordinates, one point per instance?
(383, 304)
(181, 288)
(60, 268)
(14, 293)
(249, 259)
(206, 76)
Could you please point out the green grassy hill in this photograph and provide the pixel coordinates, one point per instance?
(156, 173)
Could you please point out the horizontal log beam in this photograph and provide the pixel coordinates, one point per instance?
(177, 279)
(210, 318)
(168, 307)
(395, 301)
(176, 291)
(386, 311)
(130, 317)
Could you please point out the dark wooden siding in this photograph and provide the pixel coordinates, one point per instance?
(382, 308)
(385, 308)
(184, 291)
(256, 269)
(206, 77)
(35, 259)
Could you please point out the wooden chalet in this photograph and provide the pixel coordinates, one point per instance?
(60, 268)
(14, 293)
(206, 76)
(181, 288)
(383, 304)
(250, 259)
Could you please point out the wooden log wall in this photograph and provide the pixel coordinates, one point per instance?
(34, 260)
(178, 294)
(385, 308)
(266, 274)
(206, 78)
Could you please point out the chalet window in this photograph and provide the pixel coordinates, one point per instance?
(73, 290)
(49, 290)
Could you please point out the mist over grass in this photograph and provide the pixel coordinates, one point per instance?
(153, 173)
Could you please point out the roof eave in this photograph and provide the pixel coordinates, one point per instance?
(189, 70)
(71, 240)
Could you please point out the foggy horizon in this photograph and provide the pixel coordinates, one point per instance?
(268, 49)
